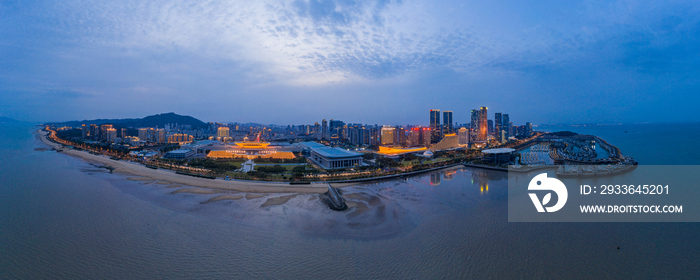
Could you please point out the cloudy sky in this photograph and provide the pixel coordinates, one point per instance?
(383, 62)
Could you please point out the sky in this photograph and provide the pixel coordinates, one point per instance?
(377, 62)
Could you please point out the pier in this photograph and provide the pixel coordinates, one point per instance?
(335, 199)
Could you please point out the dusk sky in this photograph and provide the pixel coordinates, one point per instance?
(377, 62)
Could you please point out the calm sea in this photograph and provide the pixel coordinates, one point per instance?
(62, 217)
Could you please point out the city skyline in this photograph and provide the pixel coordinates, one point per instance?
(374, 61)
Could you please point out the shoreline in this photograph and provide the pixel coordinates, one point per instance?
(129, 168)
(124, 167)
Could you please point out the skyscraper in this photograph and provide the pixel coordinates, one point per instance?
(474, 126)
(528, 129)
(463, 135)
(85, 131)
(222, 132)
(498, 124)
(506, 125)
(387, 135)
(483, 124)
(435, 126)
(324, 130)
(447, 122)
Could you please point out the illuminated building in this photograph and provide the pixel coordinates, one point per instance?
(180, 138)
(331, 158)
(110, 134)
(498, 124)
(179, 154)
(94, 132)
(222, 132)
(528, 129)
(483, 124)
(160, 137)
(474, 126)
(317, 131)
(501, 155)
(387, 135)
(506, 125)
(502, 138)
(124, 134)
(383, 150)
(435, 126)
(447, 122)
(463, 136)
(425, 136)
(85, 131)
(324, 130)
(449, 141)
(400, 136)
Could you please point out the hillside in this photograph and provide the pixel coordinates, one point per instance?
(150, 121)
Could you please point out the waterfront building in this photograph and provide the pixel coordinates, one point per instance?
(400, 136)
(483, 124)
(528, 129)
(94, 132)
(222, 132)
(447, 122)
(110, 134)
(503, 138)
(506, 125)
(179, 154)
(331, 158)
(498, 156)
(498, 123)
(85, 131)
(491, 128)
(448, 142)
(387, 135)
(463, 136)
(435, 126)
(474, 126)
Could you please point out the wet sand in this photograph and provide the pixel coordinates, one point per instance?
(278, 200)
(196, 191)
(224, 197)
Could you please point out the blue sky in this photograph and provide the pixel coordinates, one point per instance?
(383, 62)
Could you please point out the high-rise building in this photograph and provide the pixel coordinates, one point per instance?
(435, 126)
(123, 133)
(491, 129)
(110, 134)
(426, 135)
(160, 136)
(94, 132)
(506, 125)
(528, 129)
(85, 131)
(483, 124)
(502, 137)
(474, 126)
(498, 124)
(324, 130)
(222, 132)
(317, 131)
(447, 122)
(463, 135)
(388, 135)
(103, 132)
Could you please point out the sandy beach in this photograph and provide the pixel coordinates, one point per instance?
(145, 173)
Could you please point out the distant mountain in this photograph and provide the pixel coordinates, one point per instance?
(159, 120)
(8, 120)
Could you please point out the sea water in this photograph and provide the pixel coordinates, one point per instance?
(62, 217)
